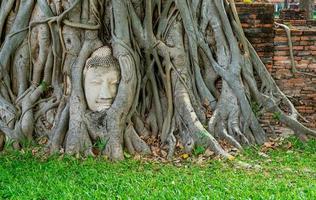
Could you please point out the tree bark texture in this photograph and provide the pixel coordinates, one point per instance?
(171, 54)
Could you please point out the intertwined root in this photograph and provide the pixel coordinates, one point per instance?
(170, 53)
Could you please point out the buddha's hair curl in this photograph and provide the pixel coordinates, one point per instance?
(102, 57)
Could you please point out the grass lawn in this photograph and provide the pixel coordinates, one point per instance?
(284, 173)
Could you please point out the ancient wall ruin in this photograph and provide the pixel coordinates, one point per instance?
(272, 46)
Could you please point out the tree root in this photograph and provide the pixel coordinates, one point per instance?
(171, 55)
(134, 144)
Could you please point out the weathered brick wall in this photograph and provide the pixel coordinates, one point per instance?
(257, 20)
(292, 14)
(272, 46)
(299, 86)
(295, 17)
(297, 22)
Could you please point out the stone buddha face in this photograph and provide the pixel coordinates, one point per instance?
(101, 79)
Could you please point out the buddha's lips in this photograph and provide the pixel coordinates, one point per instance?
(104, 103)
(108, 101)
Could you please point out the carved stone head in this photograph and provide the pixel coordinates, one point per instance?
(101, 79)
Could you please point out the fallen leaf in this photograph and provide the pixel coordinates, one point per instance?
(155, 150)
(43, 141)
(34, 151)
(137, 157)
(180, 145)
(105, 157)
(200, 160)
(263, 155)
(208, 153)
(163, 153)
(185, 156)
(289, 145)
(230, 157)
(269, 144)
(95, 151)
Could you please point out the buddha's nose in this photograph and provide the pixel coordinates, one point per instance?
(105, 93)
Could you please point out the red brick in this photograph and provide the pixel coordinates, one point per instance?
(305, 38)
(301, 66)
(245, 25)
(298, 48)
(304, 53)
(305, 61)
(281, 32)
(281, 58)
(307, 48)
(281, 53)
(280, 39)
(297, 58)
(296, 32)
(295, 38)
(283, 74)
(312, 66)
(267, 25)
(281, 48)
(304, 43)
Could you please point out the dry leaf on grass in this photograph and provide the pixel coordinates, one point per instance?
(208, 153)
(185, 156)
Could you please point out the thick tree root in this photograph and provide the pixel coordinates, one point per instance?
(134, 143)
(171, 55)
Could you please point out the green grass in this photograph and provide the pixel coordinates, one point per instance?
(284, 174)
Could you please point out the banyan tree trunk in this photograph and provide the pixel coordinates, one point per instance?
(167, 56)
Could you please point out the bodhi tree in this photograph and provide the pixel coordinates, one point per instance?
(124, 73)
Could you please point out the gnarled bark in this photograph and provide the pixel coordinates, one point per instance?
(171, 53)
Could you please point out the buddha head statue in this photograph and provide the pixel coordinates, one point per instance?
(101, 79)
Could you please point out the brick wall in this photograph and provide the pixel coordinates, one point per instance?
(294, 14)
(257, 20)
(272, 46)
(295, 17)
(301, 87)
